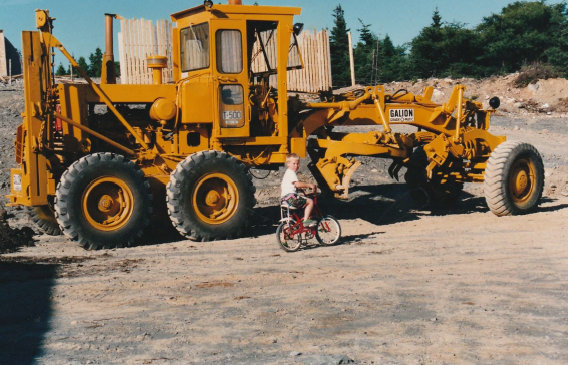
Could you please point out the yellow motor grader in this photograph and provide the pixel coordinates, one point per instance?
(96, 161)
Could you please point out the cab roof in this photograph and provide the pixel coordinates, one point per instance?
(238, 9)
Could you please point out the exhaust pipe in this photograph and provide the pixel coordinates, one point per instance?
(235, 2)
(108, 73)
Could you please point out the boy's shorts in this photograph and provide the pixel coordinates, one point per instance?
(294, 200)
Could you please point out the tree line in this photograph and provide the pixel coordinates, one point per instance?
(93, 68)
(521, 35)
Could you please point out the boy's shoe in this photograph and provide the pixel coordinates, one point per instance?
(309, 223)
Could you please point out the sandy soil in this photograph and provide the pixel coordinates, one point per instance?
(405, 285)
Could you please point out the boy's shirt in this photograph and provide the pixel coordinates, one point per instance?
(288, 183)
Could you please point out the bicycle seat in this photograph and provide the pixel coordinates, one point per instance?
(286, 206)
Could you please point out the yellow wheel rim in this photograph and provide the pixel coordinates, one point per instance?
(215, 198)
(107, 203)
(522, 180)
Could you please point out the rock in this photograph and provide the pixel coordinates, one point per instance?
(295, 353)
(327, 360)
(549, 113)
(533, 87)
(3, 215)
(547, 173)
(544, 131)
(516, 128)
(519, 105)
(545, 106)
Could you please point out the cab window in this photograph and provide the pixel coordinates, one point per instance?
(194, 47)
(229, 46)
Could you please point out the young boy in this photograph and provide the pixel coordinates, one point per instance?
(290, 186)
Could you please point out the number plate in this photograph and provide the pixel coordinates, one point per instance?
(17, 182)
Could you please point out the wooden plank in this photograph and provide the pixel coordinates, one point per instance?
(330, 79)
(3, 64)
(136, 50)
(130, 56)
(351, 61)
(313, 64)
(121, 56)
(128, 40)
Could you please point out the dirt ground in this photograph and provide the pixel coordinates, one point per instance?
(405, 286)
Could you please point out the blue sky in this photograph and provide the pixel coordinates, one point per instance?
(80, 24)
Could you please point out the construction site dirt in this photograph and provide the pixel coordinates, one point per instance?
(405, 285)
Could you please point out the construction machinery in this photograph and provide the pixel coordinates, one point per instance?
(99, 160)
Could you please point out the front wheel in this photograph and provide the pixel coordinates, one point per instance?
(328, 231)
(210, 196)
(514, 179)
(286, 240)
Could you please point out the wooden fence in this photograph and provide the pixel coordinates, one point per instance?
(314, 52)
(140, 38)
(3, 58)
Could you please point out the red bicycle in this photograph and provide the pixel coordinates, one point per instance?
(292, 234)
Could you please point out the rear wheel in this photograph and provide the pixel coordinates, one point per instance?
(514, 179)
(210, 196)
(328, 231)
(44, 218)
(103, 201)
(285, 239)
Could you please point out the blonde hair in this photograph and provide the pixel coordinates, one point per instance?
(292, 156)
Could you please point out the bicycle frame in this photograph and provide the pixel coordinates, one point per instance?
(298, 227)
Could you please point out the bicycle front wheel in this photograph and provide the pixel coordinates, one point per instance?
(328, 231)
(286, 240)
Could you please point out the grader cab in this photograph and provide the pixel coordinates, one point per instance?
(99, 161)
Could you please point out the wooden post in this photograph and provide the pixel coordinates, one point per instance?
(351, 61)
(71, 72)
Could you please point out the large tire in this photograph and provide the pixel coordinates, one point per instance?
(103, 201)
(429, 192)
(514, 179)
(44, 218)
(210, 196)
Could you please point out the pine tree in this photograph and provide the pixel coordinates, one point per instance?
(427, 51)
(365, 54)
(339, 49)
(83, 64)
(60, 70)
(436, 19)
(95, 63)
(366, 36)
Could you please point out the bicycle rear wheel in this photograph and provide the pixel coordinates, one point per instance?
(328, 231)
(287, 241)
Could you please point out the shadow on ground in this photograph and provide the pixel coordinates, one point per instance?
(26, 289)
(376, 204)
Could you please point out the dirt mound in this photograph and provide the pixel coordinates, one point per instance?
(11, 240)
(544, 96)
